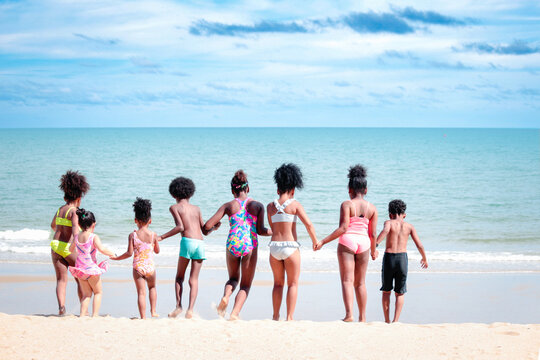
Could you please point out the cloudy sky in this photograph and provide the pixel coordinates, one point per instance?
(461, 63)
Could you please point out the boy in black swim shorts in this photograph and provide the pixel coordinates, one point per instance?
(395, 261)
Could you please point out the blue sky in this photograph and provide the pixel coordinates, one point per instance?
(455, 63)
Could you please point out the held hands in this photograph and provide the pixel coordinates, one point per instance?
(374, 254)
(424, 264)
(318, 246)
(218, 224)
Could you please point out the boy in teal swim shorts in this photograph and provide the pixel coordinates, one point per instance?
(190, 224)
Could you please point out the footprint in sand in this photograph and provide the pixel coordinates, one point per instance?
(511, 333)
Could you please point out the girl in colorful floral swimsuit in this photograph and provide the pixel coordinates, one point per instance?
(246, 220)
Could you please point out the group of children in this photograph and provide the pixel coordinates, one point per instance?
(75, 244)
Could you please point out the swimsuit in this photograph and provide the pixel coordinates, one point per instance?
(356, 237)
(143, 259)
(62, 247)
(86, 263)
(395, 266)
(243, 234)
(280, 250)
(192, 249)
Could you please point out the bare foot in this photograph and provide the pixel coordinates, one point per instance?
(234, 317)
(275, 318)
(189, 314)
(175, 312)
(222, 307)
(348, 319)
(155, 314)
(62, 310)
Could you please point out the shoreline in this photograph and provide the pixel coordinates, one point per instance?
(432, 297)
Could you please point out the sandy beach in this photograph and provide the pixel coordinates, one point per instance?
(480, 321)
(38, 337)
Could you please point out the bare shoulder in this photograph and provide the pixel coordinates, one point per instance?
(410, 227)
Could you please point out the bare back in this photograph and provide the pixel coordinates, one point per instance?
(398, 235)
(283, 231)
(190, 217)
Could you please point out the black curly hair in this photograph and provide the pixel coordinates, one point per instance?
(182, 188)
(143, 210)
(86, 218)
(357, 179)
(396, 207)
(74, 185)
(239, 182)
(288, 177)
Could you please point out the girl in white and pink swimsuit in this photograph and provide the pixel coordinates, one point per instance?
(357, 233)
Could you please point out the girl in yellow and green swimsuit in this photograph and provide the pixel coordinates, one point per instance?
(65, 225)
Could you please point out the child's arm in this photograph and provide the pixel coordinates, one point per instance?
(261, 229)
(101, 248)
(156, 243)
(420, 248)
(383, 233)
(129, 250)
(372, 232)
(74, 225)
(344, 219)
(307, 223)
(53, 223)
(179, 225)
(210, 225)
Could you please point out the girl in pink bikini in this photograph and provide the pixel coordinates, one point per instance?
(357, 233)
(246, 220)
(142, 243)
(86, 268)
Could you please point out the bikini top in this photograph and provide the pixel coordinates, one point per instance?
(64, 221)
(281, 215)
(358, 224)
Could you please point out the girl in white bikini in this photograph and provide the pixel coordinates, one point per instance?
(284, 253)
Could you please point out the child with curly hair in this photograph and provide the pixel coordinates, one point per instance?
(284, 253)
(65, 225)
(190, 224)
(143, 243)
(356, 232)
(395, 261)
(246, 219)
(86, 268)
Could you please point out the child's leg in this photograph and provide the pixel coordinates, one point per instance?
(249, 263)
(151, 281)
(346, 272)
(178, 285)
(86, 290)
(278, 269)
(193, 285)
(233, 266)
(400, 299)
(61, 270)
(71, 259)
(292, 268)
(360, 268)
(95, 283)
(386, 306)
(141, 293)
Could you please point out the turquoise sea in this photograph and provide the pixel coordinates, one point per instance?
(472, 194)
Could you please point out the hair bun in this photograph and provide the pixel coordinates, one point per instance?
(357, 171)
(240, 176)
(81, 212)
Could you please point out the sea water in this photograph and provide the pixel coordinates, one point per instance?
(472, 194)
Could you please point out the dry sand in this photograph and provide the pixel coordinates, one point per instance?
(51, 337)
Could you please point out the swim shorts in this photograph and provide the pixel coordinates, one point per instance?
(192, 249)
(394, 267)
